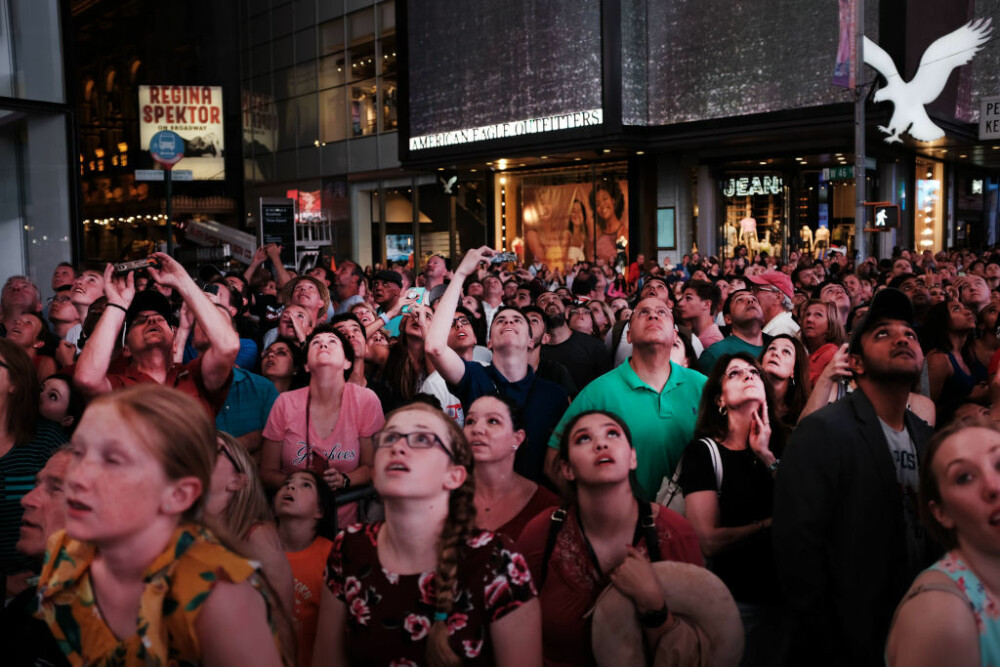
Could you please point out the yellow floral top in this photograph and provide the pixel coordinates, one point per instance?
(177, 583)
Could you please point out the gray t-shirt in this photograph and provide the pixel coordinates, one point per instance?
(904, 462)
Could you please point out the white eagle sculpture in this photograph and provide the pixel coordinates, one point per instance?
(909, 97)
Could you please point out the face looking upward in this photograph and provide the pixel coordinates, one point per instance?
(413, 458)
(599, 452)
(490, 431)
(779, 359)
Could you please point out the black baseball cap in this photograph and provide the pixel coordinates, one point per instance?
(149, 300)
(388, 277)
(888, 304)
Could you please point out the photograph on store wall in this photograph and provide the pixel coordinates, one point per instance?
(575, 222)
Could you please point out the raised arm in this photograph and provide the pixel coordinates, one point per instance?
(280, 274)
(90, 375)
(446, 360)
(224, 343)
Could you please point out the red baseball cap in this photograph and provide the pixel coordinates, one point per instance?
(775, 279)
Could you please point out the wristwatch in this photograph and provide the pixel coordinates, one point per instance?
(346, 484)
(656, 618)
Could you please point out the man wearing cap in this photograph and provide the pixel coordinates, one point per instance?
(386, 289)
(774, 292)
(847, 540)
(149, 339)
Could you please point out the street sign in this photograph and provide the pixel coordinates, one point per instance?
(167, 147)
(157, 174)
(277, 225)
(989, 118)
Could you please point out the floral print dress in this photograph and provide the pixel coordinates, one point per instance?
(177, 584)
(390, 615)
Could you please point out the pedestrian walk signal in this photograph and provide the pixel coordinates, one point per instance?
(881, 216)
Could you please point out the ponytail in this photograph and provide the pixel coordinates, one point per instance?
(457, 529)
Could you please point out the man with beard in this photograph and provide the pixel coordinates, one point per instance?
(746, 320)
(847, 539)
(149, 339)
(910, 285)
(546, 368)
(584, 356)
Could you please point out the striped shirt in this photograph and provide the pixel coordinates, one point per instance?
(18, 469)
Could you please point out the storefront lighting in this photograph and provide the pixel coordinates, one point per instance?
(607, 150)
(640, 152)
(576, 159)
(501, 164)
(503, 215)
(503, 180)
(763, 162)
(122, 147)
(963, 156)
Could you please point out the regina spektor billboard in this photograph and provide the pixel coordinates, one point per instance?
(193, 112)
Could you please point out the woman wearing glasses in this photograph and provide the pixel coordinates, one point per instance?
(727, 475)
(325, 426)
(426, 587)
(236, 499)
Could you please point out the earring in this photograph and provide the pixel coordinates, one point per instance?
(722, 410)
(792, 381)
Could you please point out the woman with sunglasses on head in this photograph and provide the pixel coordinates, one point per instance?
(236, 500)
(426, 587)
(738, 441)
(325, 426)
(505, 501)
(306, 513)
(136, 577)
(950, 614)
(606, 536)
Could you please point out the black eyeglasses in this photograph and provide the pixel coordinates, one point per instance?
(415, 440)
(225, 452)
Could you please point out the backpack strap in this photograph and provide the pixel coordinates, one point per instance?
(713, 452)
(556, 523)
(648, 525)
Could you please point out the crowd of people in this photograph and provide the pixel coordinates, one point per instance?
(763, 462)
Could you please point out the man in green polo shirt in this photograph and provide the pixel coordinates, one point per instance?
(746, 320)
(656, 398)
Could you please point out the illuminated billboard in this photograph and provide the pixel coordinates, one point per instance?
(482, 70)
(193, 112)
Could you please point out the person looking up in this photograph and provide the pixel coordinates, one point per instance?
(458, 591)
(744, 315)
(785, 362)
(149, 339)
(656, 398)
(325, 426)
(774, 292)
(435, 272)
(386, 289)
(822, 334)
(846, 537)
(19, 296)
(974, 292)
(509, 373)
(349, 280)
(505, 501)
(584, 356)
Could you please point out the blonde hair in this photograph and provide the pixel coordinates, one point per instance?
(458, 526)
(175, 429)
(247, 506)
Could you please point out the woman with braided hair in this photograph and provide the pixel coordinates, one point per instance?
(425, 586)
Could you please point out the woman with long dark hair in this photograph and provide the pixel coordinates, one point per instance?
(785, 362)
(325, 426)
(954, 372)
(606, 536)
(426, 587)
(727, 475)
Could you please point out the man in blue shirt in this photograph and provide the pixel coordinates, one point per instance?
(509, 374)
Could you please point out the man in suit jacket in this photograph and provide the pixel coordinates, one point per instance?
(847, 540)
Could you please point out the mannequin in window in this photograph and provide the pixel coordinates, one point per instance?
(731, 238)
(748, 233)
(765, 245)
(822, 241)
(806, 235)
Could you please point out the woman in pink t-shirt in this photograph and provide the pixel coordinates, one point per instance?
(327, 426)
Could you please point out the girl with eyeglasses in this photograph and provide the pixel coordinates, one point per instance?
(426, 587)
(727, 474)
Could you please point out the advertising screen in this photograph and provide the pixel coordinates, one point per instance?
(482, 69)
(193, 112)
(709, 59)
